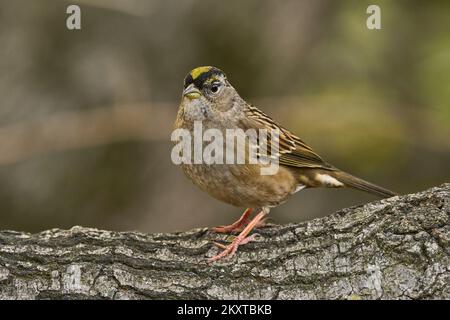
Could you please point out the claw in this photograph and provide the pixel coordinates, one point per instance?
(248, 239)
(244, 241)
(241, 239)
(230, 249)
(219, 245)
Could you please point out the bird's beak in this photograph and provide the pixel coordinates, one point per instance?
(191, 92)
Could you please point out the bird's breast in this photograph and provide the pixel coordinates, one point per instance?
(242, 185)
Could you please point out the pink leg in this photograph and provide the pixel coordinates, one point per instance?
(236, 225)
(245, 241)
(242, 238)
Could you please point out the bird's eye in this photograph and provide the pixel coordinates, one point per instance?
(215, 87)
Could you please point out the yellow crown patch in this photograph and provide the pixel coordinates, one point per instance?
(198, 71)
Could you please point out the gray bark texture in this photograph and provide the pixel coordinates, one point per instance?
(396, 248)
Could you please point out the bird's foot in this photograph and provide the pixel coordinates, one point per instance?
(230, 250)
(241, 239)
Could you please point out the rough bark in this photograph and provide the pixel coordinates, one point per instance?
(389, 249)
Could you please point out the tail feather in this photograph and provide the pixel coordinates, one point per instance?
(357, 183)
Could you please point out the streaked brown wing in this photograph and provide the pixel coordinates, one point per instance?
(293, 151)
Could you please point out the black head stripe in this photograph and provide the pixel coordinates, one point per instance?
(201, 78)
(188, 80)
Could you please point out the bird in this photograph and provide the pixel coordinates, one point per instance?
(209, 98)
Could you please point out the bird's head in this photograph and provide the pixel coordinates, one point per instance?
(207, 93)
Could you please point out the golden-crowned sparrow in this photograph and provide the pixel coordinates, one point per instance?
(209, 98)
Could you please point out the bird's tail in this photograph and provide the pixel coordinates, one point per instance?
(357, 183)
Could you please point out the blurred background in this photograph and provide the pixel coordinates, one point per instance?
(86, 116)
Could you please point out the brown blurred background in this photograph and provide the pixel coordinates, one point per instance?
(86, 116)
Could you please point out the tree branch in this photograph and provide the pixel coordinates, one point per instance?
(389, 249)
